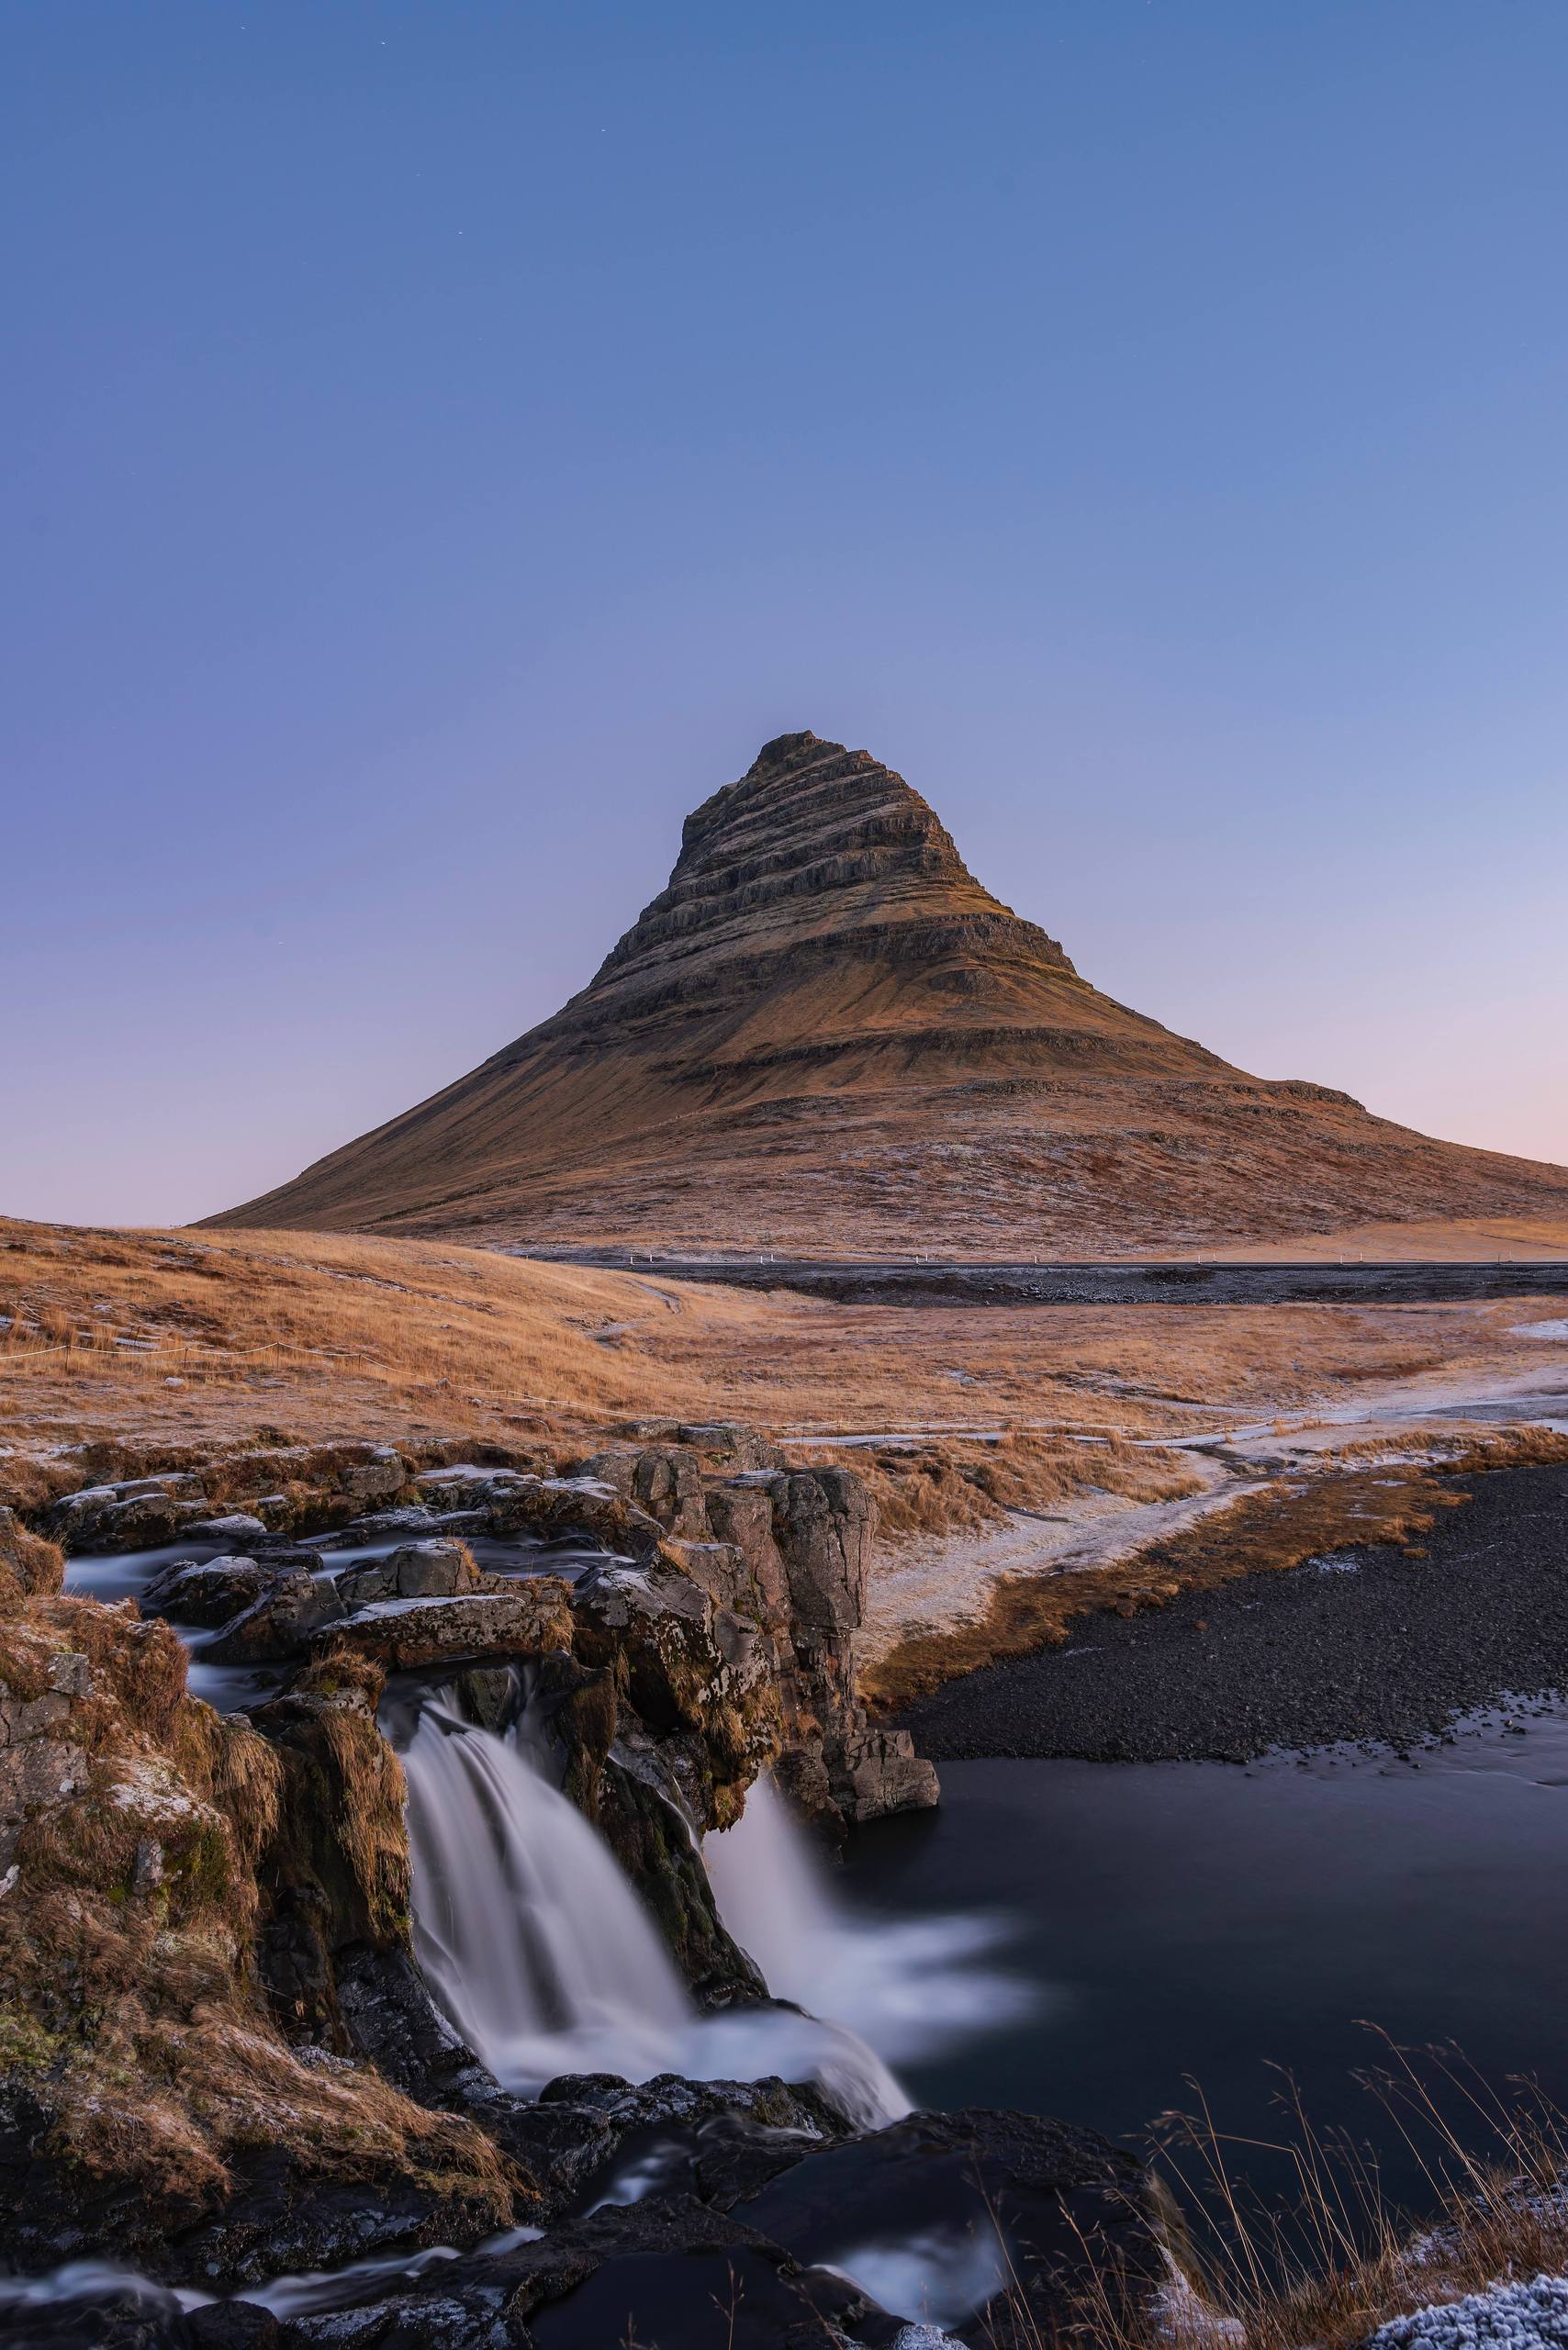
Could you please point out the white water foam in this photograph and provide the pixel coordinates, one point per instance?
(909, 1986)
(543, 1956)
(937, 2278)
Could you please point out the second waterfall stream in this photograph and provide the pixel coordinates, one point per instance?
(542, 1954)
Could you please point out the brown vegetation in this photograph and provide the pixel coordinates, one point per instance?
(1478, 1240)
(1331, 2263)
(140, 1343)
(134, 1819)
(947, 1485)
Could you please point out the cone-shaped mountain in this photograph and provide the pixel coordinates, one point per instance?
(825, 1037)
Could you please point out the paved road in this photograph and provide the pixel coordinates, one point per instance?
(918, 1282)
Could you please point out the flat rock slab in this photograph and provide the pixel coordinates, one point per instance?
(403, 1634)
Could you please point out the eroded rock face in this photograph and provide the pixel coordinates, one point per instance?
(248, 1881)
(150, 2106)
(782, 1555)
(438, 1568)
(664, 1480)
(552, 1508)
(211, 1592)
(824, 1520)
(291, 1609)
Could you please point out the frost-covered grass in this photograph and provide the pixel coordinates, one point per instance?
(1531, 2315)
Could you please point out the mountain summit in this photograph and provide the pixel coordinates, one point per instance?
(825, 1036)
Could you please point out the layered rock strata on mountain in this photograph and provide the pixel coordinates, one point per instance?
(825, 1037)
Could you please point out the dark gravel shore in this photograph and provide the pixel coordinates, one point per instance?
(1366, 1645)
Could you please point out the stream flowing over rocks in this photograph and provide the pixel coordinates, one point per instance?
(410, 1932)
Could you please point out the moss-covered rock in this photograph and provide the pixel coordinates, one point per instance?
(149, 2102)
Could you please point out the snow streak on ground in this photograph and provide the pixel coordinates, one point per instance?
(936, 1579)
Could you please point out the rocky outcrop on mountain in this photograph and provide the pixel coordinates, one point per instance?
(824, 1036)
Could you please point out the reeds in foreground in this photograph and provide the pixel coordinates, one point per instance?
(1326, 2264)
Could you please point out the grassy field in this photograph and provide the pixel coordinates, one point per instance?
(143, 1343)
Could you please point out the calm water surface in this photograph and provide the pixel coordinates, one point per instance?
(1212, 1920)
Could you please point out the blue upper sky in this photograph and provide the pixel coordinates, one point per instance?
(443, 440)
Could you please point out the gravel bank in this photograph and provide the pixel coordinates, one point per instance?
(1364, 1646)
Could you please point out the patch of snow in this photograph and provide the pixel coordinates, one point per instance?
(1556, 1331)
(377, 1607)
(1509, 2316)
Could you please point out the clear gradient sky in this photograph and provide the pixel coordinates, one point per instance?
(441, 441)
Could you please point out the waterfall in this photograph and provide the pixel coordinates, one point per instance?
(538, 1948)
(523, 1926)
(909, 1986)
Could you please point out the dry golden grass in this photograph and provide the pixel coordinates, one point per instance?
(1450, 1239)
(1277, 1527)
(126, 1993)
(1463, 1448)
(1329, 2264)
(155, 1341)
(946, 1486)
(160, 1338)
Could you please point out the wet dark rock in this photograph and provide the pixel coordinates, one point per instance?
(279, 2214)
(209, 1591)
(280, 1623)
(232, 2325)
(488, 1695)
(1050, 2189)
(439, 1567)
(390, 2019)
(668, 2271)
(93, 2313)
(335, 1869)
(236, 1526)
(656, 1849)
(672, 2269)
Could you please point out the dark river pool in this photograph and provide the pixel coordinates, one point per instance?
(1213, 1920)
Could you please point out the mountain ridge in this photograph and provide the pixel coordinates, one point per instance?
(824, 1026)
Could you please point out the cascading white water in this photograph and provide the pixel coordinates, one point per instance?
(909, 1986)
(529, 1933)
(544, 1958)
